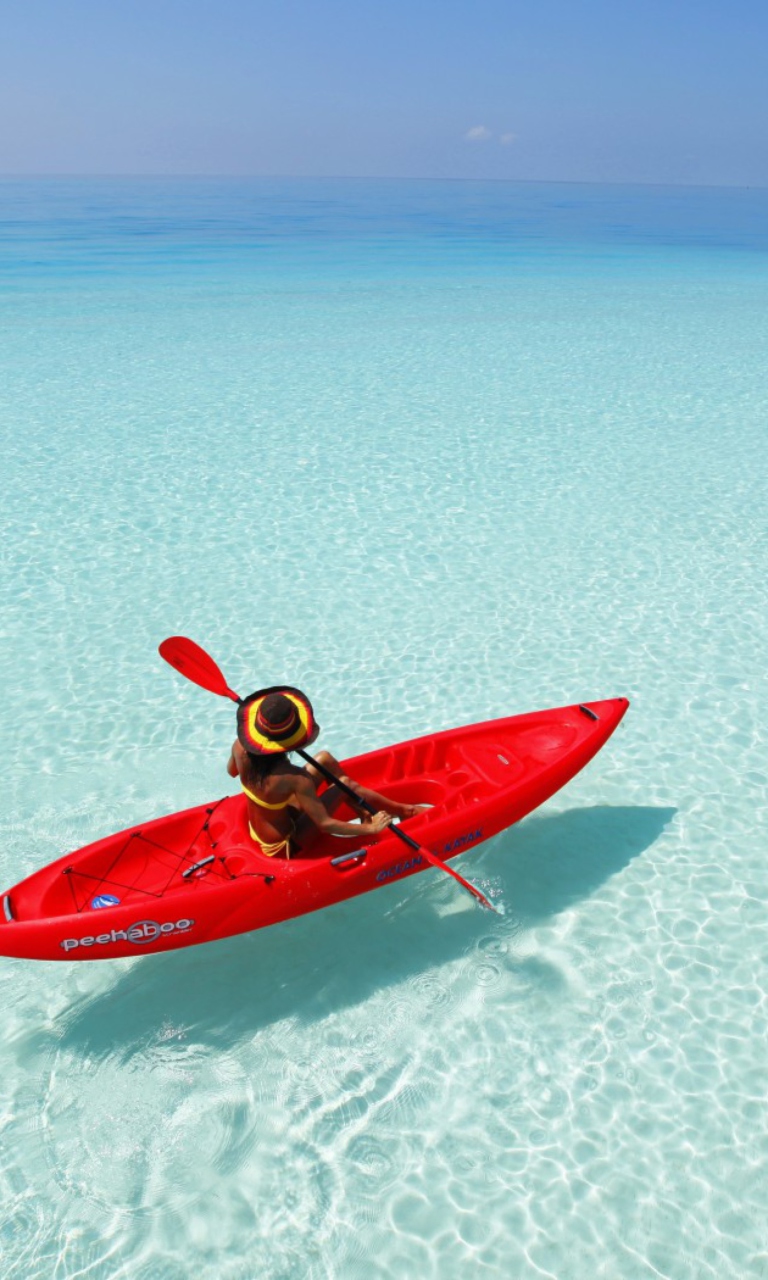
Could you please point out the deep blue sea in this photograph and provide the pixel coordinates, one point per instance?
(434, 452)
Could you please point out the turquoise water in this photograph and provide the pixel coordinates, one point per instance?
(434, 452)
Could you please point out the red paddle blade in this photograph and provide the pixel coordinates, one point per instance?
(471, 888)
(193, 662)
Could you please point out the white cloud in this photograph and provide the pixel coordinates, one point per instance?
(507, 139)
(478, 133)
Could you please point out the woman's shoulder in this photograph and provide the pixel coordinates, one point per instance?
(240, 756)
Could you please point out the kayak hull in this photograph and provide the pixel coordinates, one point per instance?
(196, 876)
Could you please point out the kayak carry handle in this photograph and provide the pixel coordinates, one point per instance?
(204, 862)
(357, 856)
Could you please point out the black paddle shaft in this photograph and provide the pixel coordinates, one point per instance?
(361, 804)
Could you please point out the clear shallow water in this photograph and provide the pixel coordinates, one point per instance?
(435, 452)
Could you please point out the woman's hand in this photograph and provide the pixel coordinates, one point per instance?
(378, 822)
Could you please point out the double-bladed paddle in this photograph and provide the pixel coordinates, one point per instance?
(198, 666)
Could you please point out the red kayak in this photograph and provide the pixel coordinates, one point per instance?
(197, 876)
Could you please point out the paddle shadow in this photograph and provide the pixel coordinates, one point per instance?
(306, 969)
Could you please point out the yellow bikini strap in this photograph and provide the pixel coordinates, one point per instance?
(256, 800)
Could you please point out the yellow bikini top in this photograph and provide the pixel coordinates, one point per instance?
(283, 804)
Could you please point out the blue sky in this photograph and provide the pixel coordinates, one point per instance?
(669, 91)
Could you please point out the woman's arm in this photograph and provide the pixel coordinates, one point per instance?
(305, 798)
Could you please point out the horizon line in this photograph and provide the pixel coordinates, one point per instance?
(78, 175)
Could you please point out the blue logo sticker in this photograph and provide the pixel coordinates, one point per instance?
(105, 900)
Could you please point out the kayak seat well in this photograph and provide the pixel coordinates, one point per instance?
(410, 761)
(449, 774)
(431, 791)
(431, 760)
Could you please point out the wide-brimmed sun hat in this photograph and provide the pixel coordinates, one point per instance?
(276, 719)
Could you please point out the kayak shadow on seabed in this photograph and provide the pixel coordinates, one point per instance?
(320, 964)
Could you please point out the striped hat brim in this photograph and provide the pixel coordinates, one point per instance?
(261, 739)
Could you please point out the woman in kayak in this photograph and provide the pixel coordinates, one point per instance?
(286, 815)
